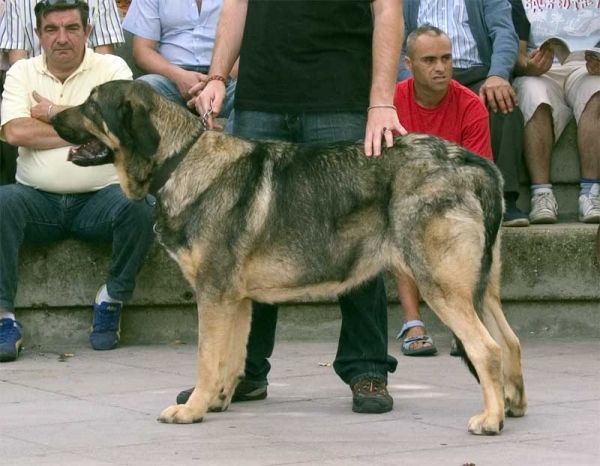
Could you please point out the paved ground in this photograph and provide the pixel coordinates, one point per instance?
(100, 409)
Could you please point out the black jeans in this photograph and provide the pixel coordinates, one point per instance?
(362, 347)
(507, 133)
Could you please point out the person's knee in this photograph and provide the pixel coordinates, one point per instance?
(593, 106)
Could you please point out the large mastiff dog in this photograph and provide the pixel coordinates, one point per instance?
(272, 222)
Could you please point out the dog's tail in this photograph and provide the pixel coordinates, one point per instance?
(489, 191)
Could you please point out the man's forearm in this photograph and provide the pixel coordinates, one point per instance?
(388, 34)
(16, 55)
(149, 60)
(107, 49)
(33, 134)
(229, 37)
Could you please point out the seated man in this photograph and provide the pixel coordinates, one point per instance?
(432, 102)
(552, 93)
(18, 38)
(174, 40)
(53, 198)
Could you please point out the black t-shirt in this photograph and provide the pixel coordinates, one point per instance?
(306, 56)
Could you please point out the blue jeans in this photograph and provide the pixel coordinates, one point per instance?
(362, 348)
(169, 89)
(104, 216)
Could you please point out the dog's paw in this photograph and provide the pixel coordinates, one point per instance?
(484, 424)
(515, 399)
(180, 414)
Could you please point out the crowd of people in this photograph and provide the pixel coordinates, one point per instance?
(482, 74)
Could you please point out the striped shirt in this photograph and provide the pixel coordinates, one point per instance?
(452, 18)
(17, 26)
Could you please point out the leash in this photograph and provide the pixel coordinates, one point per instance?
(205, 118)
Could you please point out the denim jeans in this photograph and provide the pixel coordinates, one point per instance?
(169, 89)
(104, 216)
(362, 348)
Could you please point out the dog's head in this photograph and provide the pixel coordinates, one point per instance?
(114, 126)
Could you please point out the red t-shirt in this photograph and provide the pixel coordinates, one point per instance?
(460, 117)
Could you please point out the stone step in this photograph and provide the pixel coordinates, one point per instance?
(551, 283)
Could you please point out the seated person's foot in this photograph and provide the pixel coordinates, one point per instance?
(10, 339)
(106, 328)
(589, 206)
(544, 208)
(513, 217)
(246, 390)
(416, 341)
(370, 395)
(454, 351)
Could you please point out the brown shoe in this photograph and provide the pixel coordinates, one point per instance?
(370, 395)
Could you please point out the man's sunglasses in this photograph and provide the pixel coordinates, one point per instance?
(60, 2)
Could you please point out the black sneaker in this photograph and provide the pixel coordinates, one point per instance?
(246, 390)
(513, 217)
(370, 395)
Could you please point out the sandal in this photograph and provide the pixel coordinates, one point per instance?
(406, 344)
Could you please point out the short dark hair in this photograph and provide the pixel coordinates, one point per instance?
(426, 29)
(48, 6)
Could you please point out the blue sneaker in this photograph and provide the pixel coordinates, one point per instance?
(10, 339)
(106, 328)
(513, 217)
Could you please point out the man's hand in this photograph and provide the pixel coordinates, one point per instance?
(498, 94)
(540, 61)
(40, 111)
(186, 81)
(212, 97)
(381, 123)
(592, 63)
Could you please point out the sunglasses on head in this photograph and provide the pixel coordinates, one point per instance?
(60, 2)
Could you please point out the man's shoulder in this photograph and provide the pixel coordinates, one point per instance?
(463, 93)
(106, 63)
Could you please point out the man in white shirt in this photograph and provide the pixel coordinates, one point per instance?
(54, 199)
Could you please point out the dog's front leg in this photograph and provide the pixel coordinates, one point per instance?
(216, 325)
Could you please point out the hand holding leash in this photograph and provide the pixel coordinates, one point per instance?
(211, 98)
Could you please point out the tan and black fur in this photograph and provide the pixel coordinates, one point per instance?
(273, 221)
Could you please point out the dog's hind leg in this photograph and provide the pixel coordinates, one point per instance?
(216, 325)
(493, 318)
(236, 357)
(446, 266)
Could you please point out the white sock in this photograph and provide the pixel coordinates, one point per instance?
(103, 297)
(4, 314)
(537, 189)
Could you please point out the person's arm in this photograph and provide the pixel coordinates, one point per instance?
(149, 60)
(497, 91)
(536, 64)
(107, 30)
(16, 55)
(227, 50)
(13, 37)
(388, 34)
(32, 133)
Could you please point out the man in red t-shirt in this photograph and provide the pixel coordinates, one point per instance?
(431, 102)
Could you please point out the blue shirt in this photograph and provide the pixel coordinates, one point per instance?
(185, 36)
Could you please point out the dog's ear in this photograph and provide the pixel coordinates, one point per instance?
(137, 123)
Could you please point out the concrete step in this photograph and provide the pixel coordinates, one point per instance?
(551, 284)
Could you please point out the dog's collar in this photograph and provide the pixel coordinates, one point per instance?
(164, 172)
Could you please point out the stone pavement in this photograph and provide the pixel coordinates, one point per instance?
(95, 408)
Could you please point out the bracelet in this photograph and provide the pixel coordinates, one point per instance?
(49, 108)
(381, 106)
(216, 77)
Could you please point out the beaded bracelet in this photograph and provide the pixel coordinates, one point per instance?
(216, 77)
(381, 106)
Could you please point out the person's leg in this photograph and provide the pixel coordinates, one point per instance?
(107, 216)
(362, 349)
(546, 115)
(507, 135)
(583, 94)
(416, 341)
(26, 215)
(164, 86)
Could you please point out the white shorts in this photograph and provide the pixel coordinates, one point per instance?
(565, 88)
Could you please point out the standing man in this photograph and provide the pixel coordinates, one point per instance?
(552, 93)
(484, 51)
(315, 72)
(53, 198)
